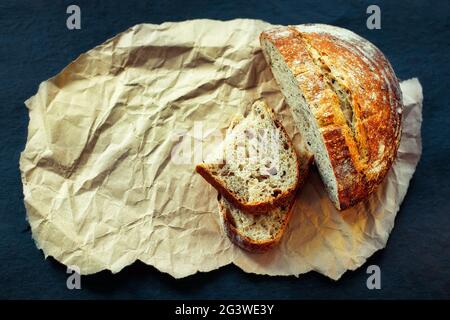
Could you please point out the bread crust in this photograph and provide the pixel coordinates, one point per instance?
(258, 207)
(360, 154)
(244, 242)
(259, 246)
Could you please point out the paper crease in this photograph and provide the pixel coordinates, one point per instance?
(101, 186)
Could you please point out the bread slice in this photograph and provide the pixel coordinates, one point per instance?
(345, 100)
(256, 167)
(259, 233)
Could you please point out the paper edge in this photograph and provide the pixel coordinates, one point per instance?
(414, 82)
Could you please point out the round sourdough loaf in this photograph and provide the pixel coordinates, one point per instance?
(346, 101)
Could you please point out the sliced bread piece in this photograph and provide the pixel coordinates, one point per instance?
(256, 167)
(259, 233)
(345, 100)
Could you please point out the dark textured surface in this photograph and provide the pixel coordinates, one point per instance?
(35, 45)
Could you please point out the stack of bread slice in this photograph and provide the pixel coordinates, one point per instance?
(257, 172)
(346, 102)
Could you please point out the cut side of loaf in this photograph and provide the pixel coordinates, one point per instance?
(345, 100)
(259, 233)
(256, 167)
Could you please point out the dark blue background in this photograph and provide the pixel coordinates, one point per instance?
(35, 45)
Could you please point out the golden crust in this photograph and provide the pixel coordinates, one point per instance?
(360, 156)
(253, 207)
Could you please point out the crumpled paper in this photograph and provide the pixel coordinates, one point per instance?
(108, 168)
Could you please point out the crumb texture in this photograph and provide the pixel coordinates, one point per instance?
(257, 161)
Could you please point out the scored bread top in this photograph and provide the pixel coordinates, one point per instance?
(355, 97)
(256, 167)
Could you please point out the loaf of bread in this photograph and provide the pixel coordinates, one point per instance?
(259, 233)
(256, 168)
(345, 100)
